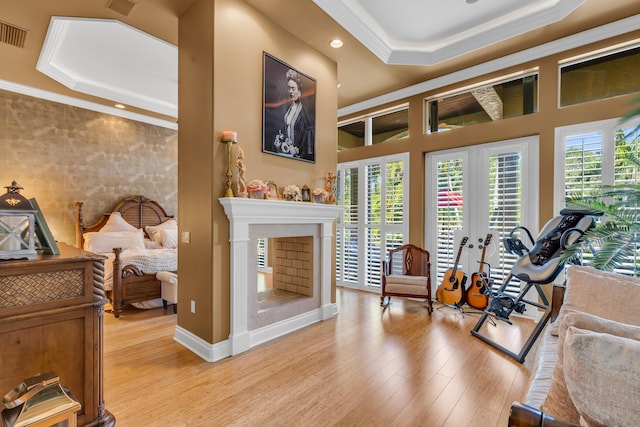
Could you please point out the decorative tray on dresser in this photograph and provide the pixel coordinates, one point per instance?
(51, 319)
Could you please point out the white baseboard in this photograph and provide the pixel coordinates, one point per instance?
(213, 352)
(209, 352)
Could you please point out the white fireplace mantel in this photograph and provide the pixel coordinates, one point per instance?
(242, 214)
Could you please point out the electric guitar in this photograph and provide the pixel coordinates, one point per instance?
(476, 297)
(451, 290)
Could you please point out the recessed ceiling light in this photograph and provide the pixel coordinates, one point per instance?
(122, 107)
(470, 1)
(336, 43)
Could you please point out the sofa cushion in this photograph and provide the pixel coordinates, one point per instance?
(603, 377)
(407, 280)
(405, 284)
(605, 294)
(542, 371)
(558, 401)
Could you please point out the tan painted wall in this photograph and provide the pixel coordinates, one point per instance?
(542, 123)
(62, 154)
(220, 88)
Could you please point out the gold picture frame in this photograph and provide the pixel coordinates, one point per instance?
(272, 191)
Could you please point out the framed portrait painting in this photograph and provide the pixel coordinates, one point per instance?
(288, 111)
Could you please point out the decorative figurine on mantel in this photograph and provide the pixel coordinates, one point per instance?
(330, 187)
(241, 183)
(292, 193)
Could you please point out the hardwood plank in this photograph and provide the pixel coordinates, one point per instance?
(365, 367)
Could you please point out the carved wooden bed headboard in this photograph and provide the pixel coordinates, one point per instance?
(136, 210)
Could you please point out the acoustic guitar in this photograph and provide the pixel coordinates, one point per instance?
(476, 296)
(451, 290)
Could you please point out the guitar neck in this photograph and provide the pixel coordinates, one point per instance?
(484, 250)
(455, 264)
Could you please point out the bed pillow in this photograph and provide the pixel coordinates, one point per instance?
(105, 242)
(153, 231)
(116, 223)
(603, 377)
(169, 238)
(150, 244)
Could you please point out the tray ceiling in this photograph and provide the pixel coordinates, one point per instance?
(427, 32)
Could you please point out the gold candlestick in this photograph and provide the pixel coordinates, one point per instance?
(229, 137)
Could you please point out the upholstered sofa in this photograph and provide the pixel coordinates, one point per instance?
(586, 370)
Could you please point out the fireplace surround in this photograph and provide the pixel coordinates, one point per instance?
(250, 219)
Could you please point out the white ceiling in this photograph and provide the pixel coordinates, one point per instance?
(427, 32)
(111, 60)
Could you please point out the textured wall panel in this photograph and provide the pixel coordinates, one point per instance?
(62, 154)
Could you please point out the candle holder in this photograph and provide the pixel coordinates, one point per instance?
(230, 138)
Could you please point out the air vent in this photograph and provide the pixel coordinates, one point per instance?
(12, 35)
(121, 6)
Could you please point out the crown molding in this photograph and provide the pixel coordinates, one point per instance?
(603, 32)
(87, 105)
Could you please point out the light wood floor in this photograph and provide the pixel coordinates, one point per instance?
(365, 367)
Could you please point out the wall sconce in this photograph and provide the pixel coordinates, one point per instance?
(17, 225)
(229, 137)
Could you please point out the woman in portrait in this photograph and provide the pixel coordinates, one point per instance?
(295, 136)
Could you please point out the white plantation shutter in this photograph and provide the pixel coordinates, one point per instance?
(505, 209)
(366, 239)
(373, 194)
(394, 200)
(593, 156)
(372, 263)
(350, 199)
(374, 197)
(449, 213)
(347, 230)
(262, 254)
(350, 260)
(583, 164)
(395, 206)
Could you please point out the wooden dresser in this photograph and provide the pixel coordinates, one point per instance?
(51, 319)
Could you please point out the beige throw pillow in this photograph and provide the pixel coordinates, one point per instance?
(558, 402)
(603, 377)
(153, 231)
(605, 294)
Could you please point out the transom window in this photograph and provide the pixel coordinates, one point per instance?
(483, 103)
(600, 76)
(376, 128)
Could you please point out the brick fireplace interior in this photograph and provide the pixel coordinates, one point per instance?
(290, 275)
(289, 284)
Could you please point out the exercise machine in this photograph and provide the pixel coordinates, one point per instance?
(535, 267)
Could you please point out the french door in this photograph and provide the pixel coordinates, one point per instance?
(374, 220)
(476, 191)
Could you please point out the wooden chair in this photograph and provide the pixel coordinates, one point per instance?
(406, 273)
